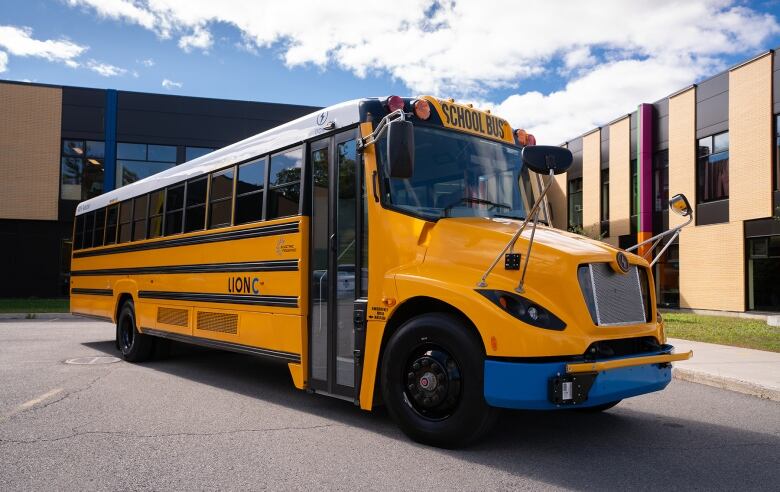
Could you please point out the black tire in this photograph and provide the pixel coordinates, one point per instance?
(598, 408)
(450, 362)
(135, 346)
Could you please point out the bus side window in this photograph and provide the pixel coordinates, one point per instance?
(284, 184)
(89, 228)
(125, 221)
(100, 224)
(156, 204)
(221, 198)
(249, 191)
(78, 233)
(140, 205)
(174, 209)
(195, 214)
(111, 223)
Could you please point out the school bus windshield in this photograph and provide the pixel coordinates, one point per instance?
(459, 175)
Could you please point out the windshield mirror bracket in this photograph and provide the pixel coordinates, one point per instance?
(533, 217)
(380, 129)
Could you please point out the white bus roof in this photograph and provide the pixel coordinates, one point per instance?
(298, 130)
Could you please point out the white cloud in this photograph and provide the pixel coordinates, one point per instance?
(148, 62)
(171, 85)
(200, 38)
(105, 69)
(18, 41)
(3, 61)
(470, 48)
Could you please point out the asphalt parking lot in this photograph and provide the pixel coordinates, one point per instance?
(205, 419)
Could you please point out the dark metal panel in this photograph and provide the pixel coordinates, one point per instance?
(712, 115)
(712, 212)
(661, 125)
(776, 82)
(82, 113)
(575, 171)
(604, 147)
(633, 134)
(762, 227)
(712, 87)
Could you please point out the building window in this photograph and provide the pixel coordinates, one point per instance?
(661, 180)
(575, 203)
(249, 191)
(284, 184)
(763, 272)
(191, 153)
(81, 169)
(137, 161)
(777, 152)
(713, 168)
(221, 198)
(634, 196)
(667, 277)
(605, 202)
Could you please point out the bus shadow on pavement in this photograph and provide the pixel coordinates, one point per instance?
(622, 448)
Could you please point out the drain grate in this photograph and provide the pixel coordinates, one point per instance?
(88, 361)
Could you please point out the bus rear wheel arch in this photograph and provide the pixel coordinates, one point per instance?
(134, 345)
(432, 378)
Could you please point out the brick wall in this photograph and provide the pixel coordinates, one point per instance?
(591, 183)
(682, 149)
(29, 151)
(619, 177)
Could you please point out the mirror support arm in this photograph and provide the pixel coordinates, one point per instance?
(380, 129)
(533, 214)
(657, 239)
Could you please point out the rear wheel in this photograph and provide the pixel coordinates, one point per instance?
(134, 345)
(432, 381)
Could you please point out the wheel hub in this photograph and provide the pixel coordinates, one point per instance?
(432, 383)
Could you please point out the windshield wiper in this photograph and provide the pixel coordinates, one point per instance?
(473, 199)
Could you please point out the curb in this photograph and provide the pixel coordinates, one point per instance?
(33, 316)
(726, 383)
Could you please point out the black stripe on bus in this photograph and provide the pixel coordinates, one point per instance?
(270, 230)
(92, 316)
(221, 345)
(254, 300)
(251, 266)
(92, 292)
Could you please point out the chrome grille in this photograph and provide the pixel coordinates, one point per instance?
(612, 298)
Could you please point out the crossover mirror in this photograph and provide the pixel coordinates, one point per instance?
(400, 149)
(542, 159)
(679, 205)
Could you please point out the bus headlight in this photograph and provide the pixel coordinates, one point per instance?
(523, 309)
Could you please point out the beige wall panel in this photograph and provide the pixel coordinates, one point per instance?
(682, 150)
(619, 176)
(591, 164)
(750, 145)
(557, 199)
(712, 267)
(30, 118)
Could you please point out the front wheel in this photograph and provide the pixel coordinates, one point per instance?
(432, 381)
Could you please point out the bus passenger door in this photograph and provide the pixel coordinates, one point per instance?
(339, 279)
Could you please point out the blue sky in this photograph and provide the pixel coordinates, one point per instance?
(557, 68)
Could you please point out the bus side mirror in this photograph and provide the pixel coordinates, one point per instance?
(542, 159)
(400, 149)
(679, 205)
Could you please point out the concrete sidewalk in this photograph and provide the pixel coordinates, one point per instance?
(753, 372)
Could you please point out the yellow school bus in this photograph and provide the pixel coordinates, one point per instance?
(390, 251)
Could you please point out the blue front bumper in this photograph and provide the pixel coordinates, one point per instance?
(526, 385)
